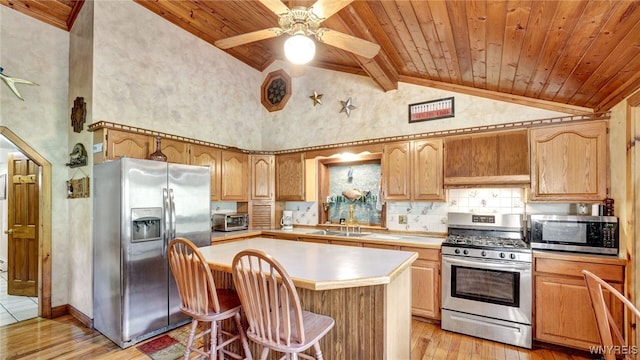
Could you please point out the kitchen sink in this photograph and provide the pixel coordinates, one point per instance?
(340, 233)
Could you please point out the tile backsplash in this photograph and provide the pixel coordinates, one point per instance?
(432, 216)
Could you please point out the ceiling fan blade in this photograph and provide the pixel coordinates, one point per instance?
(248, 38)
(347, 42)
(276, 6)
(325, 8)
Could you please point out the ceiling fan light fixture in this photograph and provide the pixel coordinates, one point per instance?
(299, 49)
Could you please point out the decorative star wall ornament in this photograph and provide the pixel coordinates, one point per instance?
(317, 98)
(347, 106)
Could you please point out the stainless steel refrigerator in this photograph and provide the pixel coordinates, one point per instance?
(138, 207)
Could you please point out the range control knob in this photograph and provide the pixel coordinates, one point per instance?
(457, 251)
(502, 255)
(466, 252)
(512, 256)
(483, 253)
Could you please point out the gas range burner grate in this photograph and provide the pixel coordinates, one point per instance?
(486, 241)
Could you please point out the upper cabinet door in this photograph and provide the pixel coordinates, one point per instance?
(396, 171)
(290, 177)
(206, 155)
(117, 144)
(569, 162)
(262, 177)
(495, 158)
(428, 170)
(176, 151)
(235, 176)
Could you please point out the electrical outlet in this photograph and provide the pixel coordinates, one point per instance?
(402, 219)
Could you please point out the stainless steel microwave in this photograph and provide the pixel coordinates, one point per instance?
(230, 222)
(582, 234)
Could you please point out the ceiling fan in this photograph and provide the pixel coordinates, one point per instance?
(301, 23)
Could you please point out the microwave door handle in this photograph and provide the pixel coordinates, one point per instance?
(492, 265)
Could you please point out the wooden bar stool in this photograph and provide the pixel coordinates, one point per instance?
(272, 307)
(608, 330)
(200, 299)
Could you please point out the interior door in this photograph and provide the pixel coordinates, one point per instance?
(22, 196)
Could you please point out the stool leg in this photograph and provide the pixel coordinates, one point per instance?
(220, 340)
(265, 353)
(192, 334)
(213, 354)
(318, 351)
(243, 338)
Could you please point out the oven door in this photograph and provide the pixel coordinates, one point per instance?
(491, 288)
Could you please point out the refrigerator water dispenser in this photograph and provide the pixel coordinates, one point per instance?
(146, 224)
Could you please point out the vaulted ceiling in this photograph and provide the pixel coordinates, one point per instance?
(575, 56)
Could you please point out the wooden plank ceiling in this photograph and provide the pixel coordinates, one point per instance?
(575, 56)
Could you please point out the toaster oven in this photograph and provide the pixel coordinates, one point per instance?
(230, 222)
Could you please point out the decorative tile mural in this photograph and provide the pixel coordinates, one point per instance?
(362, 177)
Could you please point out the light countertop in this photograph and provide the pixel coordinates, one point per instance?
(319, 266)
(426, 241)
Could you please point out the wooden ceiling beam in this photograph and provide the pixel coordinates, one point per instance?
(380, 68)
(48, 12)
(73, 15)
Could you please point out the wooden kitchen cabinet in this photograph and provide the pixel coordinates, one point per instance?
(176, 151)
(262, 207)
(569, 162)
(314, 240)
(210, 156)
(498, 158)
(562, 307)
(118, 143)
(262, 214)
(290, 177)
(396, 171)
(425, 282)
(413, 170)
(234, 182)
(428, 174)
(262, 169)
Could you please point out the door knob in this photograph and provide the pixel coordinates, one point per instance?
(10, 231)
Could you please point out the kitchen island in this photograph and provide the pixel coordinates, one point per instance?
(366, 291)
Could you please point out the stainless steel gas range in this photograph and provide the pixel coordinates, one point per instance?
(486, 278)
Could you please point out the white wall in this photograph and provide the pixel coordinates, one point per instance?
(33, 50)
(151, 74)
(377, 114)
(80, 259)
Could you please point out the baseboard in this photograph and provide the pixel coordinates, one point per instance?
(77, 314)
(58, 311)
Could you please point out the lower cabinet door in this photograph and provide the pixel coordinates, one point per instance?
(425, 287)
(564, 314)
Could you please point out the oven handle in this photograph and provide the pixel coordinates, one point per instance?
(494, 264)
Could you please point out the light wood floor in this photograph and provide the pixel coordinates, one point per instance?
(66, 338)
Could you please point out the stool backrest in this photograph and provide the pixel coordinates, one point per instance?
(193, 276)
(610, 333)
(269, 299)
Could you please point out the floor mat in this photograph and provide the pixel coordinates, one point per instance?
(163, 348)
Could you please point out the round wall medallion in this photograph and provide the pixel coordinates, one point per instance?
(276, 90)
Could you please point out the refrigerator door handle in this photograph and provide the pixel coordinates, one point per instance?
(167, 225)
(173, 213)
